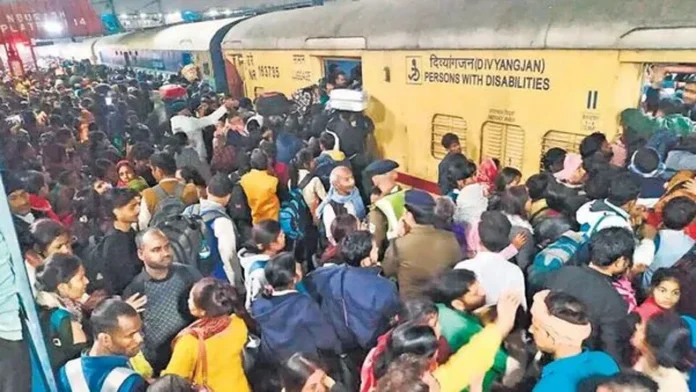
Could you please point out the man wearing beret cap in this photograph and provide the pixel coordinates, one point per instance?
(422, 251)
(387, 209)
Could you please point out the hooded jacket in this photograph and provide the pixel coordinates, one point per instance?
(291, 323)
(254, 275)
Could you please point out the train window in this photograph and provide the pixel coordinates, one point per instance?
(442, 124)
(558, 139)
(352, 68)
(669, 81)
(566, 140)
(504, 142)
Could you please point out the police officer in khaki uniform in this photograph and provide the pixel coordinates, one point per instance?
(387, 209)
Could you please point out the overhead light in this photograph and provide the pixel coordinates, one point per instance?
(124, 16)
(227, 12)
(143, 15)
(53, 27)
(213, 13)
(173, 17)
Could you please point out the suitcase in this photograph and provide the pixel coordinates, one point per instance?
(172, 92)
(273, 104)
(348, 100)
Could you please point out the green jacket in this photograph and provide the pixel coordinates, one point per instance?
(458, 328)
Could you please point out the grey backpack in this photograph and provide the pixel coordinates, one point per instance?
(169, 205)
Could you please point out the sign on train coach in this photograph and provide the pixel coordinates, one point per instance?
(515, 73)
(49, 19)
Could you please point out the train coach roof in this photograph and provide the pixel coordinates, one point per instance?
(451, 24)
(186, 36)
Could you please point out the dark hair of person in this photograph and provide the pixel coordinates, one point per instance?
(408, 338)
(450, 285)
(444, 213)
(259, 160)
(141, 151)
(44, 232)
(57, 269)
(116, 198)
(567, 308)
(512, 201)
(608, 245)
(505, 177)
(269, 148)
(623, 189)
(356, 247)
(101, 168)
(86, 203)
(678, 213)
(178, 141)
(171, 383)
(553, 160)
(405, 374)
(669, 339)
(263, 234)
(295, 372)
(165, 162)
(665, 274)
(280, 271)
(416, 309)
(626, 380)
(327, 140)
(671, 106)
(343, 225)
(215, 297)
(105, 317)
(449, 139)
(192, 176)
(550, 229)
(302, 160)
(33, 181)
(597, 185)
(494, 231)
(220, 185)
(537, 184)
(460, 170)
(592, 144)
(646, 160)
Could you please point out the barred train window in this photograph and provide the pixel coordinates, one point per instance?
(566, 140)
(442, 124)
(504, 142)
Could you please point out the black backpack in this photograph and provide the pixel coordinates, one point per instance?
(187, 234)
(239, 211)
(94, 262)
(169, 205)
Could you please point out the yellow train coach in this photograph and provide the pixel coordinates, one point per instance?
(511, 78)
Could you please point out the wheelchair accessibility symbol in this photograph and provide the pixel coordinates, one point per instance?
(413, 70)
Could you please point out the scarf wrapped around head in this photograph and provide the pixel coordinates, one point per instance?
(571, 164)
(486, 173)
(562, 332)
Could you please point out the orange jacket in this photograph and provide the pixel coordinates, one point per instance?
(260, 189)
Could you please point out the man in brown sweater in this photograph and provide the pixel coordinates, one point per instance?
(422, 251)
(164, 170)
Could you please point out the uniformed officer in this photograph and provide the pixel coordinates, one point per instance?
(385, 212)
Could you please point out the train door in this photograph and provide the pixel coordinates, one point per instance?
(234, 69)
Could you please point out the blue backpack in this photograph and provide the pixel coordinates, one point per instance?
(294, 216)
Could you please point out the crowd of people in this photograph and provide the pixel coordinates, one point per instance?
(193, 242)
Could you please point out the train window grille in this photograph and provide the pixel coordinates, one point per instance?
(568, 141)
(441, 125)
(504, 142)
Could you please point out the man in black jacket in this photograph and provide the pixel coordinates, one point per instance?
(612, 251)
